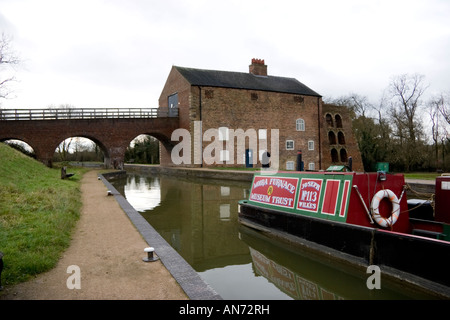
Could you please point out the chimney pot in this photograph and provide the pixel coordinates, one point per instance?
(258, 67)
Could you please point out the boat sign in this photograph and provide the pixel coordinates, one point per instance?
(274, 191)
(325, 196)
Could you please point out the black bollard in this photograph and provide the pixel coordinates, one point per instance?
(350, 164)
(150, 257)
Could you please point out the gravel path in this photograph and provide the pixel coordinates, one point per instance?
(108, 250)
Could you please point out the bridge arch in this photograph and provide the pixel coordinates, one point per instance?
(98, 142)
(17, 138)
(112, 129)
(23, 145)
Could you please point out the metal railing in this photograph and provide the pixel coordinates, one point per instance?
(86, 113)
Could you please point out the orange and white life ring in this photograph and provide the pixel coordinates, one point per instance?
(385, 222)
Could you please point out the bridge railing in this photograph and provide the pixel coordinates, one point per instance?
(86, 113)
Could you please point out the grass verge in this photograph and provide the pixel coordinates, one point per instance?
(38, 211)
(422, 175)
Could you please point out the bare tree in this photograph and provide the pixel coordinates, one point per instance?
(406, 92)
(443, 105)
(63, 149)
(8, 59)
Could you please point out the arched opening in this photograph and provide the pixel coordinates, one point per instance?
(143, 149)
(334, 156)
(80, 150)
(329, 120)
(343, 153)
(21, 146)
(331, 137)
(338, 121)
(341, 138)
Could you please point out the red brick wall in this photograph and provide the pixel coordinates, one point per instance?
(251, 109)
(332, 130)
(112, 135)
(248, 109)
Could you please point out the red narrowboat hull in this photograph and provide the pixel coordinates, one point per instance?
(352, 215)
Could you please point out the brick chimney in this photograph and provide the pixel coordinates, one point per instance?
(258, 67)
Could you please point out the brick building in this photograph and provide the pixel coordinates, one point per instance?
(276, 114)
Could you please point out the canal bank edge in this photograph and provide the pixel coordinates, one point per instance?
(189, 280)
(420, 186)
(416, 185)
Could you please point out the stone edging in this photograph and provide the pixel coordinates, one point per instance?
(189, 280)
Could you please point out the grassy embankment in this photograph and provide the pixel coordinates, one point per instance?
(38, 211)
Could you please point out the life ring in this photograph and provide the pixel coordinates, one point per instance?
(385, 222)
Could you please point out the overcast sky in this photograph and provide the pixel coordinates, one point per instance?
(94, 53)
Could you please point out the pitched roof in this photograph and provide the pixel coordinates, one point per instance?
(241, 80)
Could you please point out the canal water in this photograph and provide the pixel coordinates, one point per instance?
(199, 219)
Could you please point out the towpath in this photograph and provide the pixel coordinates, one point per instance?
(108, 249)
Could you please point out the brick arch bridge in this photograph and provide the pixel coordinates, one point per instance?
(111, 129)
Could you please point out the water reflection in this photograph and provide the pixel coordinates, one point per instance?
(199, 219)
(142, 193)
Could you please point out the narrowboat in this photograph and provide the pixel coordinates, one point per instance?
(363, 218)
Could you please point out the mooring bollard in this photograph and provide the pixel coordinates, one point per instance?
(150, 256)
(1, 269)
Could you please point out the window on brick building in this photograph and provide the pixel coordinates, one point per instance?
(334, 155)
(223, 134)
(289, 144)
(299, 99)
(172, 101)
(331, 137)
(311, 166)
(338, 121)
(290, 165)
(224, 155)
(343, 153)
(310, 145)
(262, 134)
(329, 120)
(300, 125)
(341, 138)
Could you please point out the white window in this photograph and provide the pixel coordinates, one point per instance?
(289, 144)
(224, 155)
(311, 166)
(300, 125)
(224, 212)
(262, 134)
(224, 191)
(290, 165)
(223, 134)
(310, 145)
